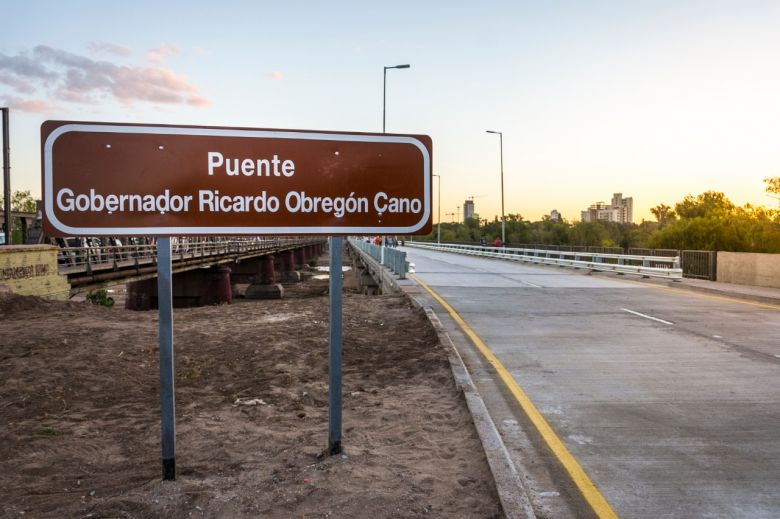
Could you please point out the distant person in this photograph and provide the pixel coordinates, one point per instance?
(377, 240)
(483, 241)
(497, 242)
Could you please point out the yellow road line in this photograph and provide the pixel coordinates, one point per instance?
(589, 490)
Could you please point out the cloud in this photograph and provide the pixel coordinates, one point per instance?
(73, 78)
(158, 55)
(30, 105)
(110, 48)
(25, 66)
(276, 75)
(18, 84)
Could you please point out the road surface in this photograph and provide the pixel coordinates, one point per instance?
(668, 400)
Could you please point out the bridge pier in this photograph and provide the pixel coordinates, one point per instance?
(199, 287)
(264, 285)
(300, 257)
(287, 272)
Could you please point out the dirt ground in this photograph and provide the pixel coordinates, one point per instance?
(79, 413)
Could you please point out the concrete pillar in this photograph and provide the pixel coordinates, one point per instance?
(267, 274)
(265, 285)
(300, 258)
(192, 288)
(287, 272)
(140, 294)
(216, 287)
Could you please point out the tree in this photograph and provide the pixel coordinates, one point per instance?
(663, 214)
(21, 202)
(709, 203)
(710, 221)
(773, 186)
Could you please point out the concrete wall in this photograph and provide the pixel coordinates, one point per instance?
(31, 270)
(747, 268)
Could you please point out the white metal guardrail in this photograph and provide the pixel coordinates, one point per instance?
(394, 259)
(649, 266)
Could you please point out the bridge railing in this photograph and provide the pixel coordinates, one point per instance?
(652, 266)
(394, 259)
(89, 258)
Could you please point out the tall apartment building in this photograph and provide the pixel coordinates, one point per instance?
(468, 209)
(620, 210)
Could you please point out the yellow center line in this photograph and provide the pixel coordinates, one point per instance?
(589, 490)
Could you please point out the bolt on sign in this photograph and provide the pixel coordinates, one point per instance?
(132, 179)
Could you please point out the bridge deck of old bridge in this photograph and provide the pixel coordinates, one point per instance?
(95, 266)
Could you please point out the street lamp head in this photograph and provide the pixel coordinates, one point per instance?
(399, 66)
(491, 131)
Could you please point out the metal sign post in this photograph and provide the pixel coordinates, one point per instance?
(334, 347)
(7, 179)
(167, 403)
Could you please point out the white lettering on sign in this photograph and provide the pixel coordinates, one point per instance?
(68, 201)
(250, 167)
(301, 202)
(386, 204)
(213, 202)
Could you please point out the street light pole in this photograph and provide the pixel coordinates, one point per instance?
(438, 232)
(384, 92)
(503, 219)
(6, 179)
(384, 109)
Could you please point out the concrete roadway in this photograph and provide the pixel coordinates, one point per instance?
(669, 400)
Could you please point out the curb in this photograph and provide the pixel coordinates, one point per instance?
(726, 293)
(511, 491)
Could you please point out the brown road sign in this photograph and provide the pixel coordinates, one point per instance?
(126, 179)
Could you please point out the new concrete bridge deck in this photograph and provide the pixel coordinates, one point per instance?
(667, 398)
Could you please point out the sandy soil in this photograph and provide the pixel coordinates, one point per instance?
(79, 413)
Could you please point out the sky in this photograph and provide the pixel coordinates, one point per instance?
(654, 99)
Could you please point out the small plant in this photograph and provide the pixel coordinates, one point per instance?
(47, 431)
(100, 297)
(313, 262)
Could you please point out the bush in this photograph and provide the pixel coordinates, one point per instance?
(100, 297)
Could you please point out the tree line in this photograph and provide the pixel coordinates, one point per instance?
(709, 221)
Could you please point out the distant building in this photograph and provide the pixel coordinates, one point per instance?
(468, 209)
(621, 210)
(555, 216)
